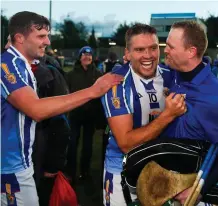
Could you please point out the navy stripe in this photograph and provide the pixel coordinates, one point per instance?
(20, 141)
(137, 114)
(108, 176)
(108, 186)
(9, 179)
(103, 101)
(154, 105)
(14, 51)
(27, 125)
(128, 91)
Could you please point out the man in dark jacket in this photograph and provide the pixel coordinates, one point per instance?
(83, 75)
(52, 135)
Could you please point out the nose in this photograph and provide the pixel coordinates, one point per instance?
(166, 50)
(47, 41)
(147, 53)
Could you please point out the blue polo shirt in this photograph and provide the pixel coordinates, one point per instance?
(201, 119)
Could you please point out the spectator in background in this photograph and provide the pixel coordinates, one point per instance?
(215, 67)
(52, 58)
(82, 76)
(111, 61)
(52, 135)
(99, 64)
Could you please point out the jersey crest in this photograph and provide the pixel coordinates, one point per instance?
(8, 75)
(115, 99)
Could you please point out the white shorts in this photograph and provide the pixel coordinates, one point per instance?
(112, 190)
(19, 189)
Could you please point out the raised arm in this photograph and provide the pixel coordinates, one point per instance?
(27, 101)
(128, 138)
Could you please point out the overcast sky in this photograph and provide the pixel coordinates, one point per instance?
(106, 15)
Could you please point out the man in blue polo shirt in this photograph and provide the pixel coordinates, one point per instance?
(21, 108)
(186, 45)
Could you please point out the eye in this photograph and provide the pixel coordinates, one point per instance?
(154, 48)
(139, 49)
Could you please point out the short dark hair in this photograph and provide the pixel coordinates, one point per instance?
(22, 22)
(137, 29)
(194, 35)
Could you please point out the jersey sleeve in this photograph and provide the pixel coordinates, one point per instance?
(11, 78)
(115, 102)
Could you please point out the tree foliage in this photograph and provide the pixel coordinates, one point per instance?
(212, 30)
(92, 40)
(4, 30)
(119, 35)
(73, 35)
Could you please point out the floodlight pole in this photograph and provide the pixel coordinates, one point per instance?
(50, 13)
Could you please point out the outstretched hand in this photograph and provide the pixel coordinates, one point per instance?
(104, 83)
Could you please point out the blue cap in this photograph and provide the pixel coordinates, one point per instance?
(85, 49)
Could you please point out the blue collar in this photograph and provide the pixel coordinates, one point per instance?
(202, 75)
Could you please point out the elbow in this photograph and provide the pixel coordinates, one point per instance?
(124, 148)
(37, 117)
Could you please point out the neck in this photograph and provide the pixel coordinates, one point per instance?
(190, 65)
(85, 67)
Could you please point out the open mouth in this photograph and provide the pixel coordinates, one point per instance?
(42, 49)
(147, 65)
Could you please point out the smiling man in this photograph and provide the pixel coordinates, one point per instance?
(21, 107)
(135, 108)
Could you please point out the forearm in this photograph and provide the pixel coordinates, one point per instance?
(147, 132)
(52, 106)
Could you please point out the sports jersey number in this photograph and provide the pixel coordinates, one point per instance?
(152, 97)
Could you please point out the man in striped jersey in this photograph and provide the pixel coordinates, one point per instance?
(135, 108)
(21, 108)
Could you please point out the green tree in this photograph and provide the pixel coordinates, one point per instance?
(4, 30)
(70, 34)
(92, 40)
(74, 35)
(212, 30)
(119, 35)
(83, 33)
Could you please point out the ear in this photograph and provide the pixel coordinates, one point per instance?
(127, 54)
(19, 38)
(192, 52)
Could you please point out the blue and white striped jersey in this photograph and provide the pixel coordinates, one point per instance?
(143, 98)
(17, 129)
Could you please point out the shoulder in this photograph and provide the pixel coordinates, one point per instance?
(167, 74)
(8, 59)
(11, 64)
(123, 70)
